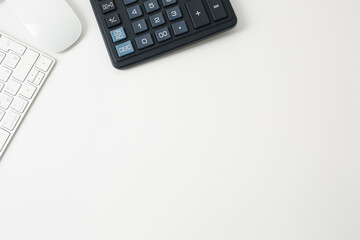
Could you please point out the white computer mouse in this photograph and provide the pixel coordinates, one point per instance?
(52, 23)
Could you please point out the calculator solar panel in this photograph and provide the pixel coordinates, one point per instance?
(136, 30)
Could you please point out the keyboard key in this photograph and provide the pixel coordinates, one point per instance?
(10, 120)
(118, 34)
(162, 34)
(1, 86)
(4, 135)
(39, 77)
(27, 62)
(217, 9)
(197, 13)
(168, 2)
(180, 28)
(11, 60)
(151, 6)
(12, 87)
(32, 75)
(128, 2)
(124, 49)
(44, 63)
(174, 13)
(107, 6)
(157, 20)
(134, 12)
(7, 44)
(140, 26)
(2, 114)
(144, 41)
(2, 56)
(5, 100)
(4, 73)
(112, 20)
(19, 104)
(27, 90)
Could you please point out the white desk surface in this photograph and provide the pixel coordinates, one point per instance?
(252, 134)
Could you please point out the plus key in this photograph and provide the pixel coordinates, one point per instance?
(197, 13)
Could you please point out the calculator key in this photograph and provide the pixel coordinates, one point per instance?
(134, 12)
(162, 34)
(107, 6)
(151, 6)
(157, 20)
(112, 20)
(124, 49)
(197, 13)
(118, 34)
(173, 13)
(168, 2)
(217, 9)
(144, 41)
(128, 2)
(180, 28)
(140, 26)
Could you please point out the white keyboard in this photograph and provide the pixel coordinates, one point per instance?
(23, 71)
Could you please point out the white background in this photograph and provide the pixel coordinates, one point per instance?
(252, 134)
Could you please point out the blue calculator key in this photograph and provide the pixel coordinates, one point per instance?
(124, 49)
(144, 41)
(173, 13)
(118, 34)
(134, 12)
(180, 28)
(162, 34)
(128, 2)
(168, 2)
(151, 6)
(157, 20)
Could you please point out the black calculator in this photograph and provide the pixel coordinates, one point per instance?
(136, 30)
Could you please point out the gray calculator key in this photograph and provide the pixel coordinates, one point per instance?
(173, 13)
(144, 41)
(162, 34)
(134, 12)
(180, 28)
(112, 20)
(140, 26)
(107, 6)
(151, 6)
(168, 2)
(128, 2)
(157, 20)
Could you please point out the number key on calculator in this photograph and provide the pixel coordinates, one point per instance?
(136, 30)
